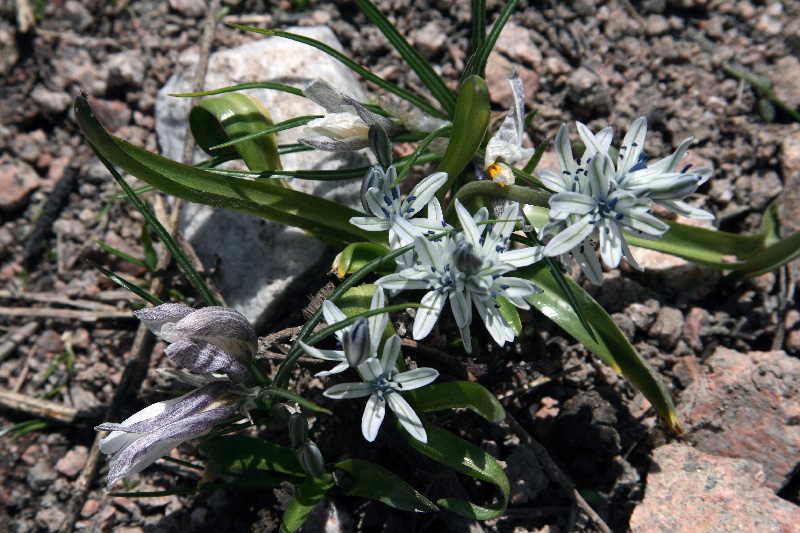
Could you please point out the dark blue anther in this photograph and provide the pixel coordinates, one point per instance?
(411, 198)
(395, 193)
(613, 203)
(495, 276)
(504, 287)
(499, 248)
(619, 216)
(433, 269)
(387, 199)
(385, 212)
(494, 294)
(410, 210)
(687, 167)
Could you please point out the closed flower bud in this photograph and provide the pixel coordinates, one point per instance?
(356, 343)
(310, 459)
(379, 141)
(211, 339)
(298, 430)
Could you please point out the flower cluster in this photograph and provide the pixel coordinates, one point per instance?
(597, 198)
(215, 342)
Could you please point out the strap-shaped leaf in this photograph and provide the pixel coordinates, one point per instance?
(229, 117)
(432, 80)
(240, 452)
(469, 128)
(325, 219)
(355, 256)
(352, 65)
(308, 495)
(458, 454)
(478, 23)
(368, 480)
(454, 395)
(611, 345)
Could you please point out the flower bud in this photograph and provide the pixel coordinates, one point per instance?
(310, 459)
(379, 141)
(356, 343)
(466, 259)
(298, 430)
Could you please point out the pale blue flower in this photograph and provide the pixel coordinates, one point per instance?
(382, 383)
(467, 269)
(360, 341)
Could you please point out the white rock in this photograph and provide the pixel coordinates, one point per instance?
(256, 260)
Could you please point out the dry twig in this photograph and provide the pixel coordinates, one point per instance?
(14, 338)
(555, 473)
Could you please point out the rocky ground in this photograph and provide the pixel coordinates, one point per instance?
(728, 351)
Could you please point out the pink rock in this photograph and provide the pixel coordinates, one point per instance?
(688, 490)
(742, 408)
(17, 181)
(498, 70)
(90, 507)
(71, 464)
(516, 42)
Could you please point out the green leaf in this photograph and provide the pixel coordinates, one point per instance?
(458, 454)
(308, 495)
(476, 64)
(770, 258)
(454, 395)
(352, 65)
(270, 130)
(533, 162)
(229, 117)
(418, 64)
(412, 159)
(328, 220)
(245, 86)
(355, 256)
(240, 452)
(166, 238)
(469, 128)
(368, 480)
(150, 255)
(284, 371)
(611, 345)
(138, 291)
(287, 395)
(122, 255)
(511, 314)
(478, 23)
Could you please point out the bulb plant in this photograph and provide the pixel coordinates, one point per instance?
(479, 233)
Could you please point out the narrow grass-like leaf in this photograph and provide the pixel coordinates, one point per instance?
(245, 86)
(466, 458)
(20, 429)
(423, 145)
(368, 480)
(138, 291)
(280, 126)
(432, 80)
(476, 64)
(352, 65)
(284, 372)
(533, 162)
(163, 234)
(122, 255)
(478, 23)
(454, 395)
(287, 395)
(611, 346)
(150, 255)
